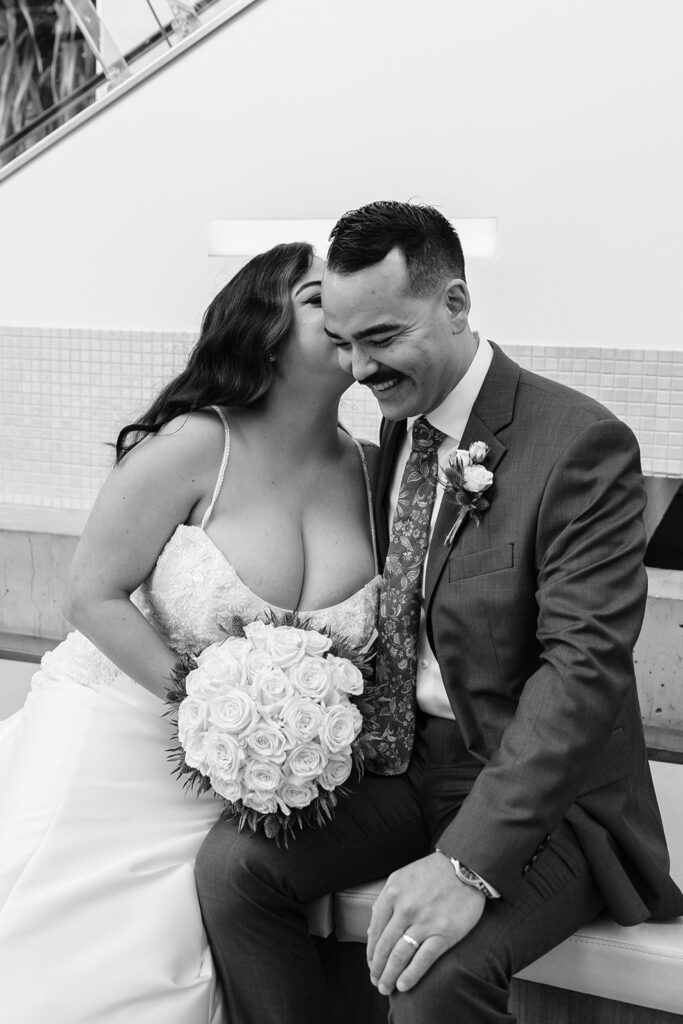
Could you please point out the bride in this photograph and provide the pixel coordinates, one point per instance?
(235, 493)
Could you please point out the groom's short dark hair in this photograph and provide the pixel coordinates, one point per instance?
(428, 241)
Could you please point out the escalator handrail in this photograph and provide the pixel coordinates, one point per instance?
(91, 84)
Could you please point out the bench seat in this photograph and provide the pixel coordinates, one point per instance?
(641, 965)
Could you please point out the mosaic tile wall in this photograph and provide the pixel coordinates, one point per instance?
(642, 387)
(65, 393)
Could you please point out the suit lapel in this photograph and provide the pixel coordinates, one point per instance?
(492, 411)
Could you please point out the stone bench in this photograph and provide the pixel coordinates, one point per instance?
(641, 966)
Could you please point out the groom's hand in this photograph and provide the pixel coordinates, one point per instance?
(433, 907)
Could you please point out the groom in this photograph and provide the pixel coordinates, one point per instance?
(511, 799)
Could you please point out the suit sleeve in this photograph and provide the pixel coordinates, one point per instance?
(591, 591)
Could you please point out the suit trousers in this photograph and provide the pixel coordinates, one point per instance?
(253, 895)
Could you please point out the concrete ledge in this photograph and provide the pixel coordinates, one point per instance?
(666, 584)
(65, 522)
(34, 569)
(658, 654)
(19, 647)
(664, 744)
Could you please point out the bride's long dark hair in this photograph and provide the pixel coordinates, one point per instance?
(234, 360)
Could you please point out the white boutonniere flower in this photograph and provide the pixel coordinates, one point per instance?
(465, 480)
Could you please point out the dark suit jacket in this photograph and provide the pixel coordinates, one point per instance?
(532, 616)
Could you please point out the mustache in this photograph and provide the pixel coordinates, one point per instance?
(380, 377)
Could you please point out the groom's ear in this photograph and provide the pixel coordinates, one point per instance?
(457, 299)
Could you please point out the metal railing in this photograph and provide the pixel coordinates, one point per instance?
(58, 60)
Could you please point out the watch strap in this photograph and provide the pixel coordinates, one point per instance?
(471, 878)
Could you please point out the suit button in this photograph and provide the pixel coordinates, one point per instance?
(526, 869)
(548, 838)
(424, 663)
(534, 858)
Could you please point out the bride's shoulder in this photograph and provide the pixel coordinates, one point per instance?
(199, 423)
(190, 442)
(192, 431)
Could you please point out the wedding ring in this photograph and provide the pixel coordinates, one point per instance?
(409, 939)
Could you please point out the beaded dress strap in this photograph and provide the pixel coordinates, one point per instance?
(224, 464)
(371, 502)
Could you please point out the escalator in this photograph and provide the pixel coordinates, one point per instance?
(62, 61)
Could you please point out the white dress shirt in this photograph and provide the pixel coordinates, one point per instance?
(451, 418)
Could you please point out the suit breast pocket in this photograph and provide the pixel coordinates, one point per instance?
(477, 563)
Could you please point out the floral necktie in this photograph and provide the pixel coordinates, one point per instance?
(392, 728)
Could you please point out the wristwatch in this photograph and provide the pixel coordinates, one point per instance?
(469, 877)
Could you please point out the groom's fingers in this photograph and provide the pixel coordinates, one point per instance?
(381, 915)
(405, 948)
(430, 951)
(388, 945)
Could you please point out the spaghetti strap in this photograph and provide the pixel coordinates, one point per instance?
(371, 503)
(224, 463)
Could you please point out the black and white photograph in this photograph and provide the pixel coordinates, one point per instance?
(341, 512)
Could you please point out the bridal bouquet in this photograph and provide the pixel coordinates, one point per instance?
(267, 720)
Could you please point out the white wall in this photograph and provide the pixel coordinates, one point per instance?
(562, 119)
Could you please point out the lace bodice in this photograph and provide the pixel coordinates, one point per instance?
(194, 587)
(194, 590)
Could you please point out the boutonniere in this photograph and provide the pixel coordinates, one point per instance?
(465, 481)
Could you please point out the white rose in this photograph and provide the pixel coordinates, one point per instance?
(341, 725)
(202, 685)
(237, 646)
(229, 789)
(296, 794)
(286, 646)
(311, 678)
(218, 670)
(459, 458)
(234, 713)
(336, 771)
(263, 803)
(478, 451)
(268, 741)
(477, 479)
(227, 649)
(195, 752)
(302, 718)
(207, 654)
(262, 776)
(258, 633)
(345, 676)
(306, 761)
(271, 688)
(317, 643)
(192, 718)
(256, 661)
(224, 755)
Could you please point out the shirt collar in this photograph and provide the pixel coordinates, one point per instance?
(452, 415)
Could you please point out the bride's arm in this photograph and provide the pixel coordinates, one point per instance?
(146, 496)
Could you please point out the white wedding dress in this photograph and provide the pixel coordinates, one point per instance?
(99, 918)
